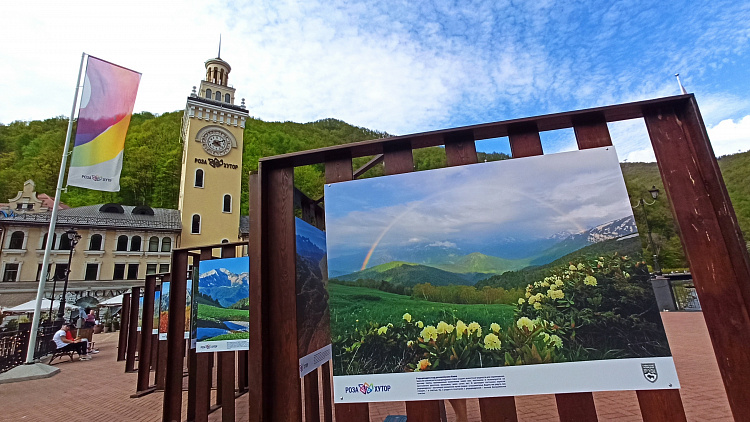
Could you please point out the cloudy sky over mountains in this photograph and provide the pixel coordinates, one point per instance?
(397, 66)
(487, 203)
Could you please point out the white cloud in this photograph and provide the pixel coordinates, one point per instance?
(445, 244)
(730, 137)
(400, 67)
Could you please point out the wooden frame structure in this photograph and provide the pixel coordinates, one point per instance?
(231, 367)
(708, 225)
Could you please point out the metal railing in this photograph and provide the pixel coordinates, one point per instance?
(12, 349)
(13, 346)
(685, 296)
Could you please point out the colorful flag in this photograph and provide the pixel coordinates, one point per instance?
(106, 106)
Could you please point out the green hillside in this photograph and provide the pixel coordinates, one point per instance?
(525, 276)
(408, 274)
(480, 263)
(153, 153)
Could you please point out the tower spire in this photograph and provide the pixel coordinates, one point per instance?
(219, 56)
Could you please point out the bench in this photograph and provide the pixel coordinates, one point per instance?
(57, 353)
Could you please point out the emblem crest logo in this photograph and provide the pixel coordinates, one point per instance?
(649, 372)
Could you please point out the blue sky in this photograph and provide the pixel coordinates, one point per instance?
(487, 203)
(316, 236)
(396, 66)
(235, 265)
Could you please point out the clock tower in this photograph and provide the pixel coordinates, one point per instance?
(211, 181)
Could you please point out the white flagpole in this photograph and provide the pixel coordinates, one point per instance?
(51, 231)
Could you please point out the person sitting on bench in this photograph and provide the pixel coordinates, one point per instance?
(64, 344)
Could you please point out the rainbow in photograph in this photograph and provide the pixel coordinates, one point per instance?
(107, 103)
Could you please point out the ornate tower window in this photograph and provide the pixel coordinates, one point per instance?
(208, 93)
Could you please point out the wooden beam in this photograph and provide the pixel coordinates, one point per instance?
(482, 131)
(135, 296)
(122, 343)
(312, 398)
(256, 367)
(144, 355)
(716, 252)
(175, 339)
(279, 255)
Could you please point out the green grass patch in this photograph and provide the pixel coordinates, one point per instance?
(208, 312)
(230, 336)
(357, 307)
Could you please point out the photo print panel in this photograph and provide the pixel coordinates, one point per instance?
(164, 311)
(157, 304)
(192, 283)
(140, 314)
(483, 280)
(313, 316)
(221, 301)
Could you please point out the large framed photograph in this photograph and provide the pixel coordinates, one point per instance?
(313, 316)
(495, 279)
(222, 301)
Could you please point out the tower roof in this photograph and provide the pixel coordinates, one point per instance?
(218, 61)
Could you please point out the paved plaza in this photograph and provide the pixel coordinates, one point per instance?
(99, 390)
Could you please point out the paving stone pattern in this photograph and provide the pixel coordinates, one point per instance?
(100, 389)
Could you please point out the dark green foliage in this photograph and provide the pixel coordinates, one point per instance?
(605, 309)
(203, 299)
(241, 304)
(523, 277)
(153, 154)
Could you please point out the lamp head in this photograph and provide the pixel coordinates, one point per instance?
(654, 192)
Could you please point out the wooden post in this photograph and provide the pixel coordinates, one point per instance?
(592, 132)
(225, 376)
(122, 341)
(710, 236)
(204, 366)
(325, 385)
(256, 356)
(135, 296)
(144, 354)
(312, 397)
(175, 338)
(278, 256)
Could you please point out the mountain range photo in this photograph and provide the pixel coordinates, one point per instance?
(447, 267)
(463, 225)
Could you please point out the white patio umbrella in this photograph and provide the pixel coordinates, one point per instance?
(115, 301)
(28, 307)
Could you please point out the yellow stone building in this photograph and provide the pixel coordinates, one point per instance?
(120, 244)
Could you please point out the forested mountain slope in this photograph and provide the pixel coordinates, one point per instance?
(151, 169)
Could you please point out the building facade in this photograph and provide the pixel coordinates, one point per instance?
(211, 177)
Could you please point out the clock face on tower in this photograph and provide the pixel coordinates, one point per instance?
(216, 142)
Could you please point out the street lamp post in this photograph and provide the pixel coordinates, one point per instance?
(52, 298)
(73, 237)
(654, 194)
